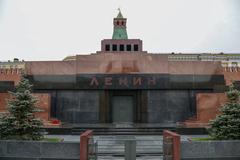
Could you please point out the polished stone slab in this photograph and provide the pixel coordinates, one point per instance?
(126, 81)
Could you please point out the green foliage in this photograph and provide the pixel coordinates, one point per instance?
(53, 139)
(21, 123)
(202, 139)
(227, 125)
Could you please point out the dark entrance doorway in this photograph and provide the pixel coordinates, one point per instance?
(123, 106)
(120, 106)
(122, 109)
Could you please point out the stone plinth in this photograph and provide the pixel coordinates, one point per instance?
(208, 105)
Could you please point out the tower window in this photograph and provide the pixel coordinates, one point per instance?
(122, 22)
(117, 22)
(129, 47)
(121, 47)
(107, 47)
(135, 47)
(114, 47)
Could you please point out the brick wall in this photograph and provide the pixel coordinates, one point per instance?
(10, 75)
(231, 75)
(43, 104)
(3, 101)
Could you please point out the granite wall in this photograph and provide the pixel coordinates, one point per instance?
(210, 150)
(170, 106)
(39, 150)
(208, 105)
(123, 63)
(75, 106)
(163, 106)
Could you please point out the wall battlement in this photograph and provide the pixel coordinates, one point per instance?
(11, 75)
(231, 69)
(11, 71)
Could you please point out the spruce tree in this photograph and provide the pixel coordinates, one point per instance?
(226, 126)
(20, 121)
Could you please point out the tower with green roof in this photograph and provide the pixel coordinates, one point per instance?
(120, 29)
(120, 42)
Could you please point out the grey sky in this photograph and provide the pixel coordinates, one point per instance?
(53, 29)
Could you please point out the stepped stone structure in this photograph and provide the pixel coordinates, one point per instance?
(122, 83)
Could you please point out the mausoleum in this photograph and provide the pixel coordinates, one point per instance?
(123, 83)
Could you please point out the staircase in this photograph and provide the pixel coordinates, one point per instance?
(112, 147)
(193, 122)
(188, 128)
(122, 130)
(191, 119)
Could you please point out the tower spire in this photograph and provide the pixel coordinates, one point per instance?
(119, 13)
(120, 29)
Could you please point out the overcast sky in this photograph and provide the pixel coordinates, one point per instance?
(53, 29)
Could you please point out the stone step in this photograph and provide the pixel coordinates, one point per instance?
(116, 129)
(191, 119)
(193, 129)
(121, 152)
(113, 147)
(122, 131)
(106, 157)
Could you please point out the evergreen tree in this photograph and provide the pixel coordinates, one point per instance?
(20, 121)
(227, 125)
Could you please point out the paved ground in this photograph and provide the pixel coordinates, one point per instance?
(138, 158)
(112, 147)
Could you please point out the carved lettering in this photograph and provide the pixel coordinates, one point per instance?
(151, 81)
(108, 81)
(94, 81)
(137, 81)
(123, 81)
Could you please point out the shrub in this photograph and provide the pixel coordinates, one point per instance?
(227, 125)
(20, 121)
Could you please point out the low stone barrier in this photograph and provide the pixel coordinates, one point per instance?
(210, 150)
(171, 145)
(39, 150)
(84, 144)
